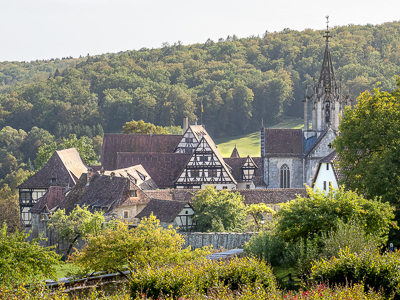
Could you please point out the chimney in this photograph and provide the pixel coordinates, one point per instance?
(89, 175)
(112, 174)
(102, 170)
(185, 124)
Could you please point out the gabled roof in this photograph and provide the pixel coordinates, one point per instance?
(318, 140)
(332, 159)
(235, 153)
(283, 142)
(137, 174)
(164, 210)
(104, 192)
(236, 165)
(198, 131)
(136, 143)
(51, 199)
(163, 168)
(65, 165)
(249, 162)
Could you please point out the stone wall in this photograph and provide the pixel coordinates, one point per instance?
(217, 239)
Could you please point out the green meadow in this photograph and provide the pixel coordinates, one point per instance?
(250, 144)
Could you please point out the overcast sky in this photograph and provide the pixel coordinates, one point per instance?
(44, 29)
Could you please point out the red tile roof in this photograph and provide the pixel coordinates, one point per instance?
(114, 143)
(163, 168)
(283, 142)
(66, 165)
(164, 210)
(52, 198)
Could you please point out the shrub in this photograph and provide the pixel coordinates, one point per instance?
(351, 236)
(200, 278)
(268, 246)
(307, 217)
(375, 270)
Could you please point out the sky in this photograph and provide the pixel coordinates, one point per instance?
(45, 29)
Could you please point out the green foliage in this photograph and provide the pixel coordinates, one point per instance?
(199, 278)
(22, 261)
(351, 236)
(140, 127)
(305, 218)
(268, 246)
(373, 269)
(255, 211)
(251, 77)
(147, 245)
(219, 211)
(368, 147)
(80, 223)
(9, 207)
(84, 146)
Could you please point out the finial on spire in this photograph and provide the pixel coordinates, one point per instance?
(327, 36)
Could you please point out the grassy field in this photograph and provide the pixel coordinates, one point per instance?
(250, 144)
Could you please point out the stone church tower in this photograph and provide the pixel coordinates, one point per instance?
(327, 101)
(291, 156)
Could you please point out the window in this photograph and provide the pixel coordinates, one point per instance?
(186, 212)
(133, 193)
(126, 214)
(194, 173)
(142, 177)
(212, 172)
(247, 186)
(25, 197)
(327, 166)
(248, 174)
(225, 187)
(324, 185)
(189, 140)
(285, 177)
(203, 158)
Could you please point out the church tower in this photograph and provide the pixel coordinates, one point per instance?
(327, 101)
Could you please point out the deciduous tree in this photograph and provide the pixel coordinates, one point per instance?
(218, 211)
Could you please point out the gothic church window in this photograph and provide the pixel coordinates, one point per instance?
(285, 176)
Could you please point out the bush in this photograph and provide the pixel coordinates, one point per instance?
(375, 270)
(351, 236)
(200, 278)
(268, 246)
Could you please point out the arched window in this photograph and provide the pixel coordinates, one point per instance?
(285, 177)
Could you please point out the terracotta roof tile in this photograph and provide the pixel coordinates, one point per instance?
(237, 163)
(163, 168)
(164, 210)
(283, 141)
(52, 198)
(103, 191)
(235, 153)
(114, 143)
(66, 164)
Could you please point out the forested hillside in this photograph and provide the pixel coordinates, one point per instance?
(240, 81)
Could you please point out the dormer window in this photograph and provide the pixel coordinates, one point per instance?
(133, 193)
(53, 179)
(142, 177)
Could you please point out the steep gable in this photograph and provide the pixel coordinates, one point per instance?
(63, 168)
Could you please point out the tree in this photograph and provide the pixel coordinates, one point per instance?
(307, 217)
(219, 211)
(119, 247)
(22, 261)
(84, 146)
(255, 211)
(9, 207)
(80, 223)
(140, 127)
(368, 146)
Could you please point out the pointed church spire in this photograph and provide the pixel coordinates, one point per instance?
(327, 77)
(235, 153)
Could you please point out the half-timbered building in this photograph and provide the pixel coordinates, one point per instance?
(206, 167)
(62, 169)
